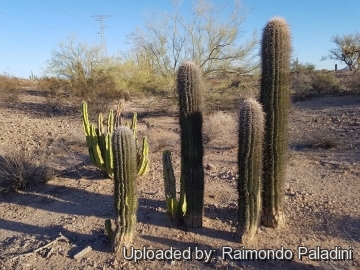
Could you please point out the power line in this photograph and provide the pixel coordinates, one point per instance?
(30, 22)
(100, 19)
(64, 11)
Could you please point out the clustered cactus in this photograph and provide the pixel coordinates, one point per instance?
(99, 142)
(261, 156)
(192, 171)
(275, 97)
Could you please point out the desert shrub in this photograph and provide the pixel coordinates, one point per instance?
(226, 92)
(301, 86)
(18, 171)
(354, 83)
(325, 83)
(81, 70)
(161, 141)
(52, 87)
(308, 84)
(9, 88)
(219, 126)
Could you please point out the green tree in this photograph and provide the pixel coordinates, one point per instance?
(84, 69)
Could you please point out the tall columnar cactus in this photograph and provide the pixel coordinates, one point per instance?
(125, 191)
(192, 172)
(250, 154)
(99, 142)
(275, 96)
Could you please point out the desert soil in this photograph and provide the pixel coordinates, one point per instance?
(321, 201)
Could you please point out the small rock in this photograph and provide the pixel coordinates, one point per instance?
(210, 167)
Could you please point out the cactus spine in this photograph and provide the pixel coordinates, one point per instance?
(99, 142)
(251, 133)
(125, 191)
(192, 172)
(275, 96)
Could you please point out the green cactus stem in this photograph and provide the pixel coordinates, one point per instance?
(192, 172)
(169, 184)
(99, 143)
(108, 229)
(176, 209)
(143, 158)
(275, 97)
(250, 153)
(125, 190)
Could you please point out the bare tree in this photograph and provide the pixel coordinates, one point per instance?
(347, 50)
(75, 60)
(214, 44)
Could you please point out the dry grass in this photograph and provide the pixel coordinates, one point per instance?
(9, 88)
(161, 141)
(227, 93)
(19, 171)
(219, 127)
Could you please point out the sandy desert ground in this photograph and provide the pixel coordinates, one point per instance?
(321, 201)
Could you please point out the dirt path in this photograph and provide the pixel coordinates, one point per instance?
(322, 192)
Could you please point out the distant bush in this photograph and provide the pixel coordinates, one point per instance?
(354, 83)
(9, 87)
(325, 83)
(307, 83)
(85, 71)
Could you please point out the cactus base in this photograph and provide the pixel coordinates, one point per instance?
(244, 237)
(193, 221)
(121, 238)
(273, 219)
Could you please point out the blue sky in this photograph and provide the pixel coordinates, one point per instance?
(30, 29)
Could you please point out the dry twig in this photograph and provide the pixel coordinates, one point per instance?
(61, 237)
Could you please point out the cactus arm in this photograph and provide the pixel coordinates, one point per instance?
(110, 122)
(108, 229)
(91, 155)
(96, 154)
(100, 124)
(109, 156)
(133, 125)
(182, 201)
(171, 204)
(169, 184)
(143, 166)
(85, 118)
(118, 114)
